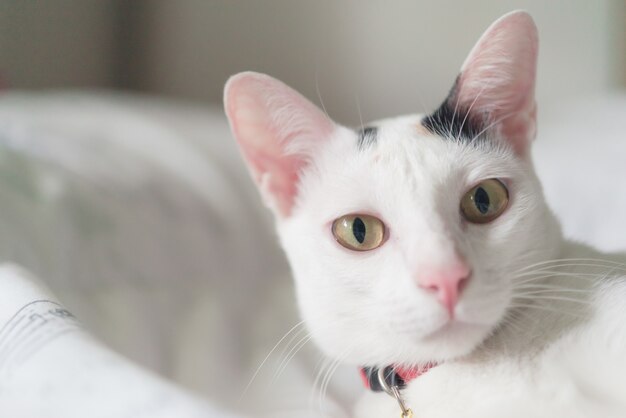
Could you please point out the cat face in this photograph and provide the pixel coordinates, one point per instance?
(404, 237)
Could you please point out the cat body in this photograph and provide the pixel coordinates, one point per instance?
(426, 239)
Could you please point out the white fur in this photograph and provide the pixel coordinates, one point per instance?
(561, 358)
(537, 330)
(414, 184)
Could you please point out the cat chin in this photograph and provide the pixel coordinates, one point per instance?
(452, 341)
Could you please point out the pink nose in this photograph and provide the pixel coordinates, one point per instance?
(448, 282)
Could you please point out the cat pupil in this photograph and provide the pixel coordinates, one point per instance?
(358, 230)
(481, 200)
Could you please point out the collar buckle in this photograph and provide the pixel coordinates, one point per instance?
(393, 391)
(380, 379)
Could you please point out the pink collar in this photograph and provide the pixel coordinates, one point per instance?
(392, 375)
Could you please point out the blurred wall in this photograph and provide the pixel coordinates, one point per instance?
(58, 43)
(618, 37)
(379, 57)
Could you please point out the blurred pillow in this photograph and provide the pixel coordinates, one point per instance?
(580, 156)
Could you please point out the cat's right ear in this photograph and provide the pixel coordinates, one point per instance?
(276, 129)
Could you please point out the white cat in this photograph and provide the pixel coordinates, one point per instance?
(425, 240)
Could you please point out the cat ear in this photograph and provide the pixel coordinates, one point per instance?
(276, 129)
(497, 81)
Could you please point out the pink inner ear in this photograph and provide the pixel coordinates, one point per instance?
(277, 130)
(498, 78)
(277, 177)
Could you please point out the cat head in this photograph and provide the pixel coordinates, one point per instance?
(404, 236)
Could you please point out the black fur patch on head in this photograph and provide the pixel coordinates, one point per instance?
(453, 121)
(367, 137)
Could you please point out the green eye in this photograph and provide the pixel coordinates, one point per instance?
(485, 202)
(359, 232)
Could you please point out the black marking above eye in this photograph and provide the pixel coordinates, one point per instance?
(481, 200)
(453, 121)
(367, 137)
(359, 230)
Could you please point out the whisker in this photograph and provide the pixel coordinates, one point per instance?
(326, 381)
(518, 305)
(317, 90)
(456, 106)
(331, 371)
(564, 260)
(579, 265)
(598, 272)
(324, 363)
(292, 353)
(491, 125)
(358, 108)
(287, 349)
(299, 324)
(533, 277)
(547, 298)
(458, 136)
(510, 319)
(550, 289)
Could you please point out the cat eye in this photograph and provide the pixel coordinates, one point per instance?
(359, 232)
(485, 202)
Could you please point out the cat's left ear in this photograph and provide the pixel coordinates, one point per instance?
(277, 130)
(497, 81)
